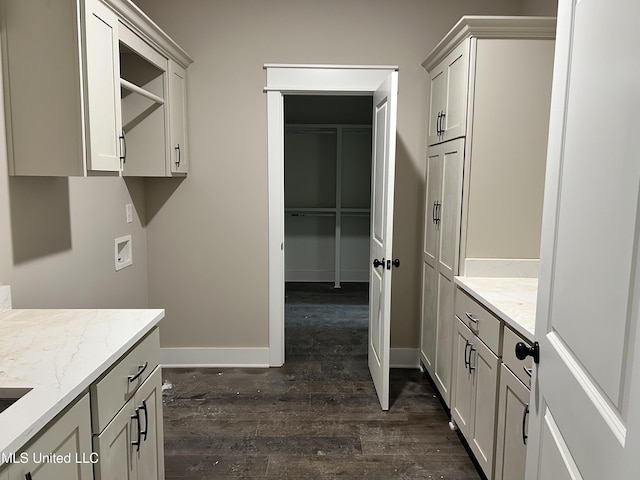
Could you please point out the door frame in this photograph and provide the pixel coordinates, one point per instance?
(303, 79)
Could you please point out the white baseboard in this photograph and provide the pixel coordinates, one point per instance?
(215, 357)
(405, 358)
(254, 357)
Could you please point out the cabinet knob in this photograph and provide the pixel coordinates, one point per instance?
(523, 351)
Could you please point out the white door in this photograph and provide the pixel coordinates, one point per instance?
(585, 398)
(382, 183)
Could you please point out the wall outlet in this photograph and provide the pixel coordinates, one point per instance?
(129, 211)
(123, 252)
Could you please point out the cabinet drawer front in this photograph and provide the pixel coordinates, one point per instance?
(479, 320)
(109, 394)
(509, 356)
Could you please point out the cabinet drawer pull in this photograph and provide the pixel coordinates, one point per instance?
(177, 147)
(466, 348)
(471, 317)
(438, 123)
(123, 157)
(136, 443)
(524, 424)
(442, 123)
(144, 432)
(528, 371)
(141, 369)
(471, 350)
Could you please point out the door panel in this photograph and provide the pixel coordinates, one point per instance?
(433, 196)
(429, 317)
(103, 74)
(382, 185)
(454, 122)
(587, 381)
(450, 211)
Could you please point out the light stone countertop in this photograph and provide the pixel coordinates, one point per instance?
(59, 353)
(513, 300)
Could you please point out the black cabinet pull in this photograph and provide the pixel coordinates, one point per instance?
(136, 443)
(471, 350)
(123, 139)
(28, 476)
(141, 369)
(433, 212)
(466, 348)
(178, 157)
(524, 423)
(144, 432)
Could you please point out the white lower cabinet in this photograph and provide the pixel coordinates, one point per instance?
(62, 451)
(127, 415)
(511, 448)
(511, 430)
(131, 446)
(474, 394)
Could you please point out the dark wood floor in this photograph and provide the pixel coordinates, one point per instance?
(317, 417)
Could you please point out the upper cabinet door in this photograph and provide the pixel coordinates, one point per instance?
(178, 153)
(102, 102)
(449, 88)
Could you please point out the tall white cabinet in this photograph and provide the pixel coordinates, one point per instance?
(490, 88)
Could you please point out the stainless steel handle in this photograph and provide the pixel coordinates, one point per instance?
(123, 149)
(442, 123)
(471, 317)
(141, 369)
(178, 156)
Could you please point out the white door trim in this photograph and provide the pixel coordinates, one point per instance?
(298, 79)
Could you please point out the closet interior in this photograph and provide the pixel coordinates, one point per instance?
(327, 197)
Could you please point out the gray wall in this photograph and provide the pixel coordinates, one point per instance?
(200, 244)
(215, 286)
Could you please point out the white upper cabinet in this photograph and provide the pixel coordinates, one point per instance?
(87, 89)
(102, 104)
(178, 154)
(448, 108)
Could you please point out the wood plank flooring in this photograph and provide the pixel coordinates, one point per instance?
(317, 417)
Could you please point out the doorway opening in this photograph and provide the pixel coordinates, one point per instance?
(327, 205)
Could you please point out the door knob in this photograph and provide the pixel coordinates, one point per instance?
(378, 263)
(523, 351)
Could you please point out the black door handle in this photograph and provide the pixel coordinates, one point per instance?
(524, 423)
(378, 263)
(395, 263)
(523, 351)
